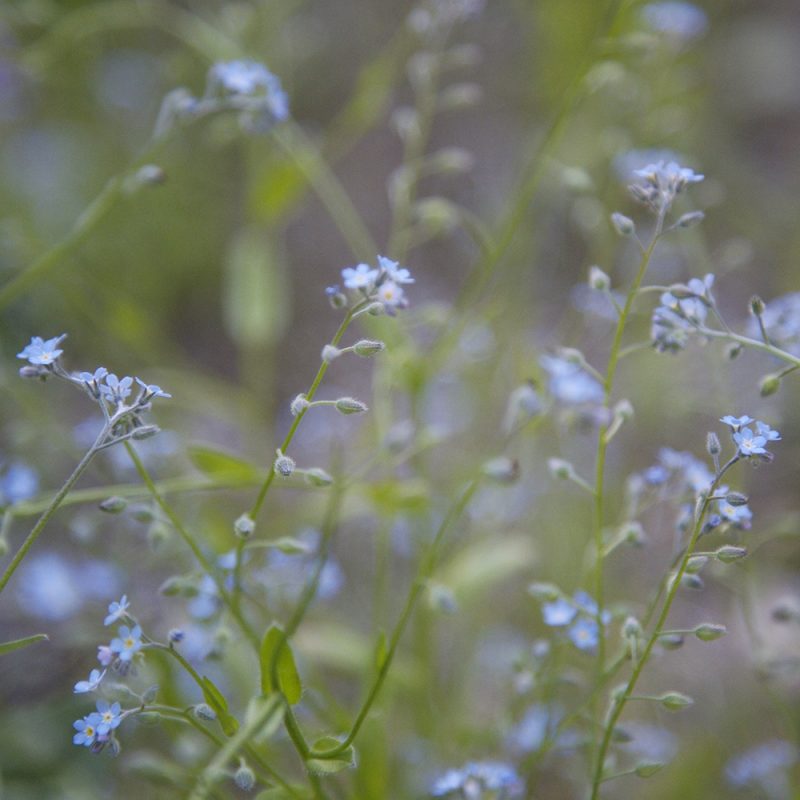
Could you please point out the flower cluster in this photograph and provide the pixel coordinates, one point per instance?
(480, 780)
(661, 183)
(96, 730)
(683, 309)
(111, 393)
(749, 441)
(579, 615)
(242, 86)
(764, 766)
(383, 285)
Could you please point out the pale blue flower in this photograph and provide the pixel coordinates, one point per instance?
(749, 443)
(680, 20)
(584, 633)
(360, 277)
(661, 183)
(86, 729)
(117, 610)
(391, 295)
(42, 352)
(93, 380)
(18, 482)
(394, 271)
(768, 433)
(250, 87)
(479, 776)
(127, 643)
(150, 390)
(764, 765)
(737, 422)
(110, 718)
(90, 685)
(569, 383)
(115, 389)
(558, 612)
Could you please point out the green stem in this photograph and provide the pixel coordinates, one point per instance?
(754, 343)
(425, 570)
(192, 544)
(658, 630)
(51, 509)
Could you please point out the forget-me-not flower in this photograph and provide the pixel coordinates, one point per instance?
(43, 352)
(117, 610)
(109, 717)
(128, 643)
(86, 729)
(95, 676)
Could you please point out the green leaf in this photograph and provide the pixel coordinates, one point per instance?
(256, 301)
(217, 701)
(330, 766)
(16, 644)
(217, 462)
(279, 793)
(288, 680)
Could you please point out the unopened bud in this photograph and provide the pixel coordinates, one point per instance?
(145, 431)
(713, 446)
(32, 371)
(245, 778)
(632, 628)
(298, 405)
(245, 525)
(647, 768)
(284, 465)
(598, 279)
(560, 469)
(176, 635)
(757, 305)
(336, 297)
(769, 384)
(708, 631)
(318, 477)
(329, 353)
(729, 553)
(633, 533)
(113, 505)
(733, 351)
(737, 499)
(502, 470)
(367, 348)
(675, 701)
(349, 405)
(544, 592)
(695, 564)
(671, 641)
(690, 220)
(623, 225)
(624, 410)
(691, 581)
(205, 712)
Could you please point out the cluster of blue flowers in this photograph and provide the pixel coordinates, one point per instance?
(242, 86)
(579, 615)
(682, 311)
(661, 183)
(111, 393)
(96, 730)
(480, 780)
(383, 285)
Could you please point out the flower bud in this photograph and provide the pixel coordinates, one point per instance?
(367, 348)
(675, 701)
(733, 351)
(318, 477)
(145, 432)
(544, 592)
(329, 353)
(150, 694)
(284, 465)
(560, 469)
(502, 470)
(598, 279)
(647, 768)
(623, 225)
(299, 404)
(769, 384)
(713, 446)
(205, 712)
(151, 175)
(245, 525)
(757, 305)
(245, 778)
(695, 564)
(336, 297)
(737, 499)
(113, 505)
(708, 631)
(671, 641)
(690, 220)
(176, 635)
(729, 553)
(349, 405)
(632, 628)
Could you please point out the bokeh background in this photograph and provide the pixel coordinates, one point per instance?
(211, 284)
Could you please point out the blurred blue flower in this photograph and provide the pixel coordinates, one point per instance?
(18, 482)
(363, 276)
(394, 271)
(117, 610)
(584, 633)
(737, 422)
(763, 765)
(42, 352)
(477, 778)
(127, 643)
(90, 685)
(681, 20)
(559, 612)
(569, 383)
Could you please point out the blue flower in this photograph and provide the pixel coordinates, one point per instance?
(391, 295)
(761, 764)
(680, 20)
(737, 422)
(559, 612)
(360, 277)
(86, 729)
(95, 676)
(42, 352)
(477, 776)
(150, 390)
(117, 610)
(92, 381)
(739, 516)
(764, 430)
(588, 606)
(584, 634)
(116, 389)
(128, 643)
(749, 443)
(109, 717)
(662, 182)
(394, 271)
(569, 383)
(17, 483)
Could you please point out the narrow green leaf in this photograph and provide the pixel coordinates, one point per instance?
(16, 644)
(217, 462)
(288, 679)
(217, 701)
(330, 766)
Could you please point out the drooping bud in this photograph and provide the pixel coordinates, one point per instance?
(598, 279)
(113, 505)
(623, 225)
(708, 632)
(769, 384)
(349, 405)
(737, 499)
(690, 220)
(713, 446)
(367, 348)
(245, 525)
(284, 465)
(318, 477)
(560, 469)
(729, 553)
(245, 778)
(675, 701)
(502, 470)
